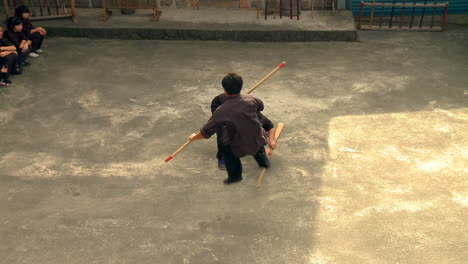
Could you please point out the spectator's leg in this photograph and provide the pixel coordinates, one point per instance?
(10, 62)
(22, 56)
(3, 63)
(36, 39)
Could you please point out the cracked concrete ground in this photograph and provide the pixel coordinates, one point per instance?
(371, 166)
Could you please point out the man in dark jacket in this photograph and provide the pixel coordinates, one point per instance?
(242, 132)
(264, 121)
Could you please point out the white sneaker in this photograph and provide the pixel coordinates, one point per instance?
(33, 55)
(39, 51)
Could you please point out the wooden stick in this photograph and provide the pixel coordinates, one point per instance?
(275, 6)
(444, 18)
(381, 14)
(298, 7)
(258, 9)
(281, 8)
(32, 9)
(372, 14)
(361, 8)
(73, 11)
(290, 9)
(423, 29)
(104, 10)
(281, 65)
(278, 131)
(422, 16)
(312, 7)
(412, 14)
(405, 5)
(48, 7)
(56, 7)
(433, 14)
(391, 16)
(40, 7)
(178, 150)
(402, 16)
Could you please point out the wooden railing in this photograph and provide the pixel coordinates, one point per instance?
(418, 12)
(43, 9)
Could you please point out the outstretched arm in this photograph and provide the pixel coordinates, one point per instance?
(197, 136)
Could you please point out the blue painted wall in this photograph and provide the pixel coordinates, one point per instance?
(455, 7)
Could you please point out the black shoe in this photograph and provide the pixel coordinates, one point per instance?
(17, 71)
(221, 164)
(265, 164)
(229, 180)
(8, 82)
(25, 63)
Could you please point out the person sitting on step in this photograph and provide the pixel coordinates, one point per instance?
(16, 36)
(35, 34)
(8, 58)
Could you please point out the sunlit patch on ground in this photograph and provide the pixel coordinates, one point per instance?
(391, 183)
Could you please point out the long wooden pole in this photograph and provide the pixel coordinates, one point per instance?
(281, 65)
(178, 150)
(278, 131)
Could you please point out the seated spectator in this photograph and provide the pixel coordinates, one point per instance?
(35, 34)
(16, 36)
(8, 57)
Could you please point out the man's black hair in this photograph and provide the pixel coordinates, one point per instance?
(232, 83)
(20, 10)
(13, 21)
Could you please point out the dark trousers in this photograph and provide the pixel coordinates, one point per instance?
(36, 39)
(9, 62)
(22, 56)
(234, 165)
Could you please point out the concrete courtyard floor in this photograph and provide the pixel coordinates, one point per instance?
(371, 166)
